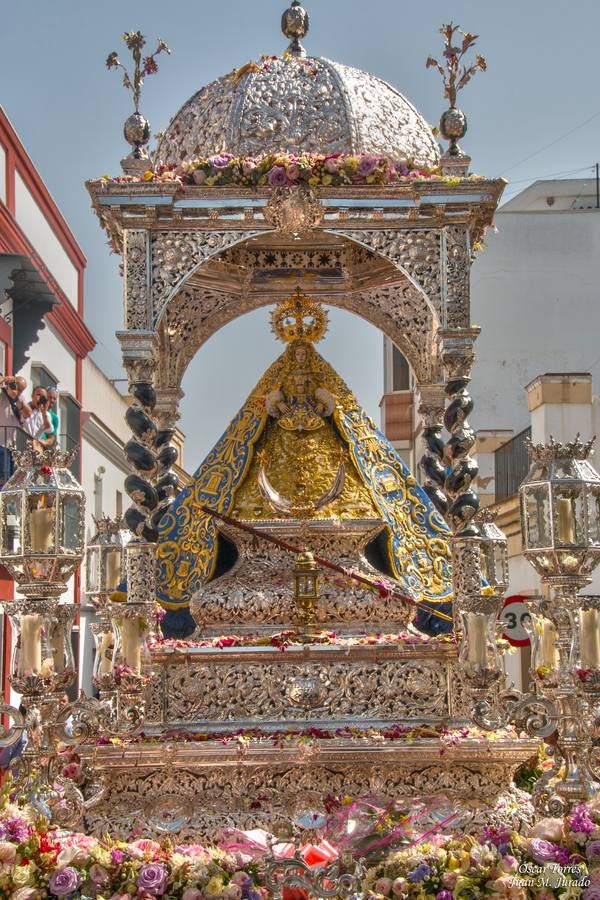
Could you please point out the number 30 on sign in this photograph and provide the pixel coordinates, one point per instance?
(514, 616)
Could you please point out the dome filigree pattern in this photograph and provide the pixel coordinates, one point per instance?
(301, 106)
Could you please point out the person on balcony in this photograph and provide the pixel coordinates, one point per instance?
(38, 424)
(13, 413)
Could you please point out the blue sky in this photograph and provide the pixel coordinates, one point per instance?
(536, 112)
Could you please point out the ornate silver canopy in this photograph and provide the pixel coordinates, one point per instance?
(309, 105)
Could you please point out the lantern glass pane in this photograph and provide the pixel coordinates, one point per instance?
(42, 521)
(112, 561)
(11, 525)
(92, 569)
(537, 512)
(499, 564)
(70, 537)
(593, 514)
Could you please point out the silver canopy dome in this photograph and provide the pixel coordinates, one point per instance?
(309, 105)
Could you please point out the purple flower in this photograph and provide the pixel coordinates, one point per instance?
(221, 161)
(562, 856)
(592, 851)
(153, 879)
(497, 836)
(591, 893)
(367, 165)
(580, 820)
(15, 829)
(116, 857)
(420, 873)
(278, 176)
(542, 851)
(444, 895)
(63, 882)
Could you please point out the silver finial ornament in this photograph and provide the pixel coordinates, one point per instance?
(295, 23)
(136, 129)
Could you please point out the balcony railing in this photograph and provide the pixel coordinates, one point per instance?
(511, 465)
(11, 437)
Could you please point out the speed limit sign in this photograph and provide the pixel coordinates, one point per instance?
(514, 616)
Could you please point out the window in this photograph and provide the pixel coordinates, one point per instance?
(42, 377)
(400, 371)
(70, 429)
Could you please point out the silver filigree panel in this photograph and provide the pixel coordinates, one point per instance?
(299, 105)
(416, 251)
(175, 255)
(136, 277)
(219, 691)
(457, 260)
(197, 803)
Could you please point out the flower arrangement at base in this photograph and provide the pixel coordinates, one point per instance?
(559, 858)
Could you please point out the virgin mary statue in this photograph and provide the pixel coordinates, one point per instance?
(304, 420)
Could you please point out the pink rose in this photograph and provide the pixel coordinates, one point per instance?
(72, 771)
(83, 841)
(293, 172)
(199, 176)
(72, 856)
(332, 165)
(449, 879)
(193, 851)
(509, 864)
(98, 874)
(8, 853)
(248, 167)
(233, 892)
(399, 885)
(548, 829)
(146, 845)
(383, 886)
(192, 894)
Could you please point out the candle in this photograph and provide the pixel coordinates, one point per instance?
(589, 638)
(105, 654)
(41, 522)
(565, 521)
(30, 659)
(549, 656)
(130, 644)
(477, 629)
(113, 569)
(57, 643)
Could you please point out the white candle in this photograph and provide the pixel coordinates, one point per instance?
(130, 644)
(113, 569)
(589, 638)
(565, 521)
(549, 656)
(477, 628)
(58, 649)
(30, 659)
(105, 654)
(41, 522)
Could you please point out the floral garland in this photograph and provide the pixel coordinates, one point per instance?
(286, 170)
(284, 639)
(560, 858)
(308, 738)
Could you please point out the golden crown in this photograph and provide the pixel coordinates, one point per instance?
(299, 318)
